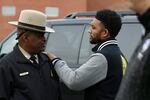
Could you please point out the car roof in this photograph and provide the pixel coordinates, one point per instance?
(125, 19)
(87, 17)
(70, 21)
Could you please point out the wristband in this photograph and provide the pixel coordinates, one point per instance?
(55, 60)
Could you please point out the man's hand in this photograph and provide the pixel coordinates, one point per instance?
(50, 55)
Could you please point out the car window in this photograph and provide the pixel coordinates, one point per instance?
(129, 37)
(10, 42)
(65, 42)
(7, 46)
(86, 47)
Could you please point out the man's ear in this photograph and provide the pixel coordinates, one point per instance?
(20, 33)
(105, 34)
(26, 36)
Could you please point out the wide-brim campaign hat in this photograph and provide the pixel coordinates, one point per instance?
(32, 20)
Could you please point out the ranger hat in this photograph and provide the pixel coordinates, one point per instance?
(32, 20)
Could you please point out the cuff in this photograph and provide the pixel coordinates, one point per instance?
(55, 60)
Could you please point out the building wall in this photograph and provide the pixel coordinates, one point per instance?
(111, 4)
(64, 7)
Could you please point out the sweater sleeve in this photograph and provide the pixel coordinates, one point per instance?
(88, 74)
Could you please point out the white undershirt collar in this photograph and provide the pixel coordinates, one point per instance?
(26, 54)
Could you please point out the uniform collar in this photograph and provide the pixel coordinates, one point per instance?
(20, 58)
(26, 54)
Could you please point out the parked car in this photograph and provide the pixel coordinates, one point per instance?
(71, 41)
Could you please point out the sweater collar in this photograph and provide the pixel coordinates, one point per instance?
(103, 44)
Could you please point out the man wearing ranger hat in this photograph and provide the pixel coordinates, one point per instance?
(25, 73)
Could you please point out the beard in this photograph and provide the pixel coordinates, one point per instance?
(94, 40)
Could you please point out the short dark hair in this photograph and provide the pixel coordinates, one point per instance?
(111, 21)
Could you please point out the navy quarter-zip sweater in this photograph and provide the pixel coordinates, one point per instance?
(107, 88)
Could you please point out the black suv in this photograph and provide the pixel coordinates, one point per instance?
(71, 41)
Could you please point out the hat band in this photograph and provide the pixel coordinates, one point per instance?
(33, 26)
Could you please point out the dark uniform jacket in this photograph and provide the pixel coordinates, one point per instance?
(22, 80)
(108, 88)
(136, 83)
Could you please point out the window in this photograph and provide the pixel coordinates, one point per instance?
(129, 37)
(65, 42)
(10, 42)
(8, 45)
(52, 11)
(8, 10)
(86, 47)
